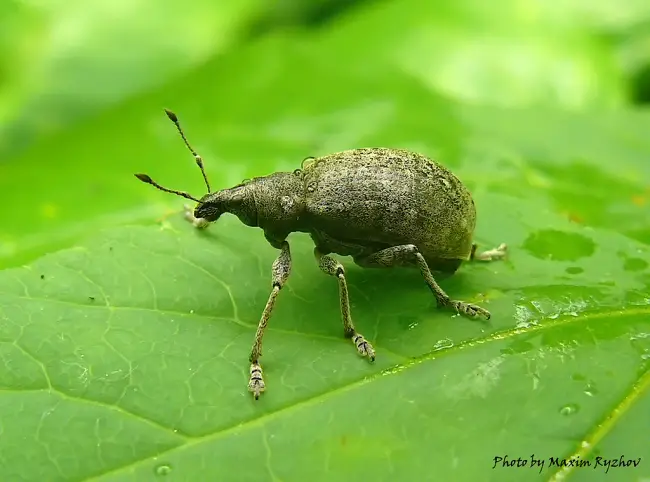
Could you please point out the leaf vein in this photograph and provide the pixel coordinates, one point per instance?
(243, 324)
(215, 278)
(638, 388)
(502, 335)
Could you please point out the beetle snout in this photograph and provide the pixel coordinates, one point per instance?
(207, 211)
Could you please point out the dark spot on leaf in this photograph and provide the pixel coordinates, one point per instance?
(91, 298)
(635, 264)
(557, 245)
(42, 276)
(574, 270)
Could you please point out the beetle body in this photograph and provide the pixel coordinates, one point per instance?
(357, 202)
(364, 200)
(384, 207)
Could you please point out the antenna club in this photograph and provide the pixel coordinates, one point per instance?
(171, 115)
(144, 178)
(197, 158)
(148, 180)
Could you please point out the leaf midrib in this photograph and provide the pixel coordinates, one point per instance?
(593, 438)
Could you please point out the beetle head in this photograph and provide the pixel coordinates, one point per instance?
(236, 200)
(262, 201)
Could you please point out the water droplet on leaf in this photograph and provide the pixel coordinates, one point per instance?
(163, 470)
(442, 344)
(569, 409)
(591, 389)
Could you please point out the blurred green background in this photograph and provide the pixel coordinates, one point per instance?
(82, 86)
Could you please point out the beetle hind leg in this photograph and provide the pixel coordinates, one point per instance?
(409, 255)
(330, 266)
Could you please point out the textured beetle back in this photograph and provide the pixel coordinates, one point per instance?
(389, 197)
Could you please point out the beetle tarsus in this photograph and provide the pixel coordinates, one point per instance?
(468, 309)
(363, 346)
(256, 380)
(188, 214)
(493, 254)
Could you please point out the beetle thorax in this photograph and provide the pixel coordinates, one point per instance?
(274, 202)
(279, 199)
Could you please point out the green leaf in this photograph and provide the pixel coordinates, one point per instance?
(142, 334)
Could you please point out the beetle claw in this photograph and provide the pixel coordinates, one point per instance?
(470, 310)
(188, 214)
(500, 252)
(256, 382)
(363, 346)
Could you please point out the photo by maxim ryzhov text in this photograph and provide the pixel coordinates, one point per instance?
(533, 462)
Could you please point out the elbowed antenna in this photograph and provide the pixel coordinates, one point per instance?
(146, 179)
(197, 158)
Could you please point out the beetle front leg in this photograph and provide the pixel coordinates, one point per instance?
(330, 266)
(490, 255)
(199, 223)
(408, 254)
(281, 269)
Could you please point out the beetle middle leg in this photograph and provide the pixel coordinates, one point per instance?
(281, 269)
(199, 223)
(330, 266)
(408, 255)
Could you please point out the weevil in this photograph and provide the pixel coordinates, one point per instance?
(383, 207)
